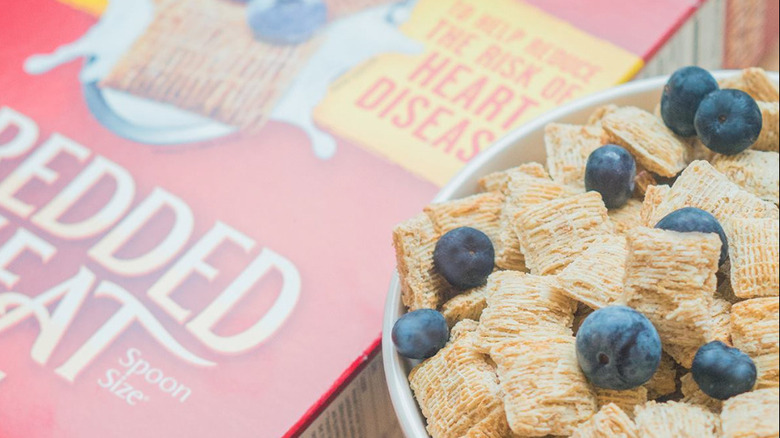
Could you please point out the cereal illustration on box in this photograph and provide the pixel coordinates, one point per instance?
(174, 71)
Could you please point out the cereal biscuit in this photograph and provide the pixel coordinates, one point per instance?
(693, 395)
(751, 415)
(421, 286)
(518, 303)
(653, 145)
(720, 312)
(595, 278)
(555, 232)
(753, 251)
(466, 305)
(663, 381)
(757, 172)
(481, 211)
(464, 331)
(754, 82)
(654, 196)
(523, 190)
(458, 390)
(701, 186)
(642, 181)
(720, 325)
(699, 151)
(499, 181)
(627, 399)
(755, 330)
(492, 426)
(670, 278)
(674, 419)
(609, 422)
(627, 217)
(568, 148)
(682, 354)
(768, 138)
(494, 182)
(545, 393)
(200, 56)
(511, 257)
(599, 113)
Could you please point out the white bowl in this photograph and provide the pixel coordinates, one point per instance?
(522, 145)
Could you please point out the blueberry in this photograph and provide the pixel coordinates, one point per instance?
(420, 334)
(464, 257)
(691, 219)
(618, 348)
(722, 371)
(610, 170)
(681, 98)
(728, 121)
(286, 21)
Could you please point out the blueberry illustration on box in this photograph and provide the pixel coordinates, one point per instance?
(286, 21)
(174, 71)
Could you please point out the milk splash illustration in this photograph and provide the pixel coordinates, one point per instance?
(346, 43)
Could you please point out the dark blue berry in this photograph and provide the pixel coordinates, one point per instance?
(728, 121)
(420, 334)
(286, 21)
(464, 257)
(722, 371)
(681, 98)
(618, 348)
(691, 219)
(610, 170)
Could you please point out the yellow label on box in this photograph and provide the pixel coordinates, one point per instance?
(94, 7)
(488, 66)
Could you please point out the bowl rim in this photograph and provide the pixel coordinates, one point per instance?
(403, 401)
